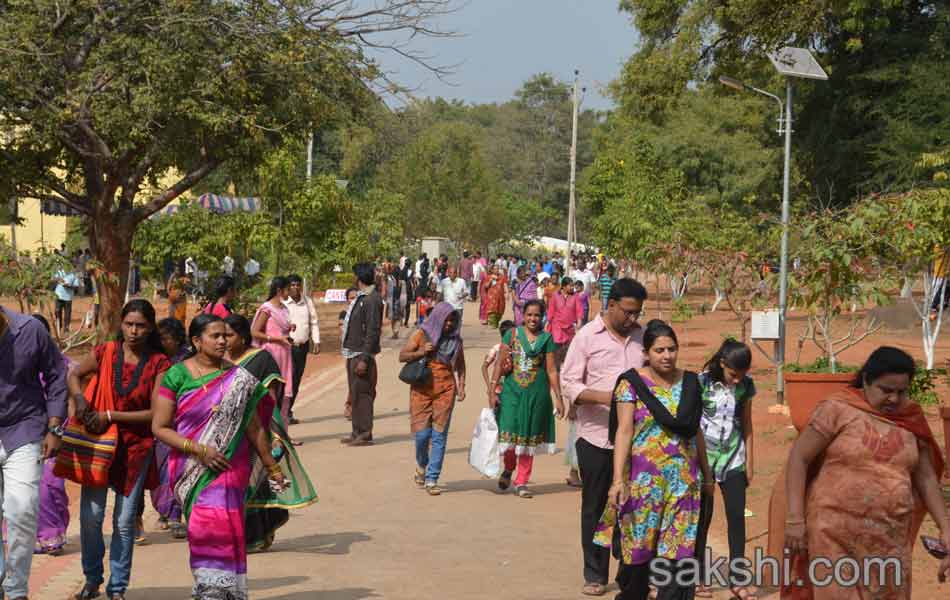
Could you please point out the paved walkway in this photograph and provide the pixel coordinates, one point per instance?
(374, 534)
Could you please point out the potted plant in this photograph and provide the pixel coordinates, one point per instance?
(807, 385)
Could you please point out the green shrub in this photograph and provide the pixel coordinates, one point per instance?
(923, 386)
(682, 311)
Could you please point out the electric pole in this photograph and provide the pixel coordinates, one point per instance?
(14, 214)
(572, 208)
(310, 157)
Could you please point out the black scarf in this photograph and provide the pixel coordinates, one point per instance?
(686, 422)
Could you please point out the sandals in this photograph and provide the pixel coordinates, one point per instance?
(742, 593)
(574, 480)
(420, 477)
(594, 589)
(524, 492)
(179, 532)
(504, 482)
(433, 489)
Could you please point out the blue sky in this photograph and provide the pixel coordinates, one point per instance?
(504, 42)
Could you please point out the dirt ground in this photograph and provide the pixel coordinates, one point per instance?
(374, 535)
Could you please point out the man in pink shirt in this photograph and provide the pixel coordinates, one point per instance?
(603, 349)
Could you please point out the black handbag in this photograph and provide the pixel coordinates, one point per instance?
(416, 372)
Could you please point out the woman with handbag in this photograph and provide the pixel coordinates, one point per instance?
(206, 411)
(525, 409)
(435, 370)
(116, 406)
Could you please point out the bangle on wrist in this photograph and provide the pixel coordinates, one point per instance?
(186, 447)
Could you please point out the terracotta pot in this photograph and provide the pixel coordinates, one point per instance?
(803, 391)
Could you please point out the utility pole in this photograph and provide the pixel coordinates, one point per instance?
(14, 209)
(310, 157)
(783, 266)
(572, 207)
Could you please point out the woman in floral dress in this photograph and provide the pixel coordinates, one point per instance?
(526, 415)
(659, 468)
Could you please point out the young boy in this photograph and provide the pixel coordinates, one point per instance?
(583, 300)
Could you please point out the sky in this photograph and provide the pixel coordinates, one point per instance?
(502, 43)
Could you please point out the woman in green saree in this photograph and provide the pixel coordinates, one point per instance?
(205, 410)
(266, 510)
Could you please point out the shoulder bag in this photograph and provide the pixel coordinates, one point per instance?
(86, 457)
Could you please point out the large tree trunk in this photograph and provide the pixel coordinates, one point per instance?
(110, 237)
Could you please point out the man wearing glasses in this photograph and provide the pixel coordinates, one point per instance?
(603, 349)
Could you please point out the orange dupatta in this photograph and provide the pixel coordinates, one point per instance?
(911, 419)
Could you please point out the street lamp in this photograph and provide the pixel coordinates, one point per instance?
(790, 62)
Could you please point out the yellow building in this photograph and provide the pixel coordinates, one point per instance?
(37, 230)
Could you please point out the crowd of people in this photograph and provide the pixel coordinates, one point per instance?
(649, 441)
(199, 415)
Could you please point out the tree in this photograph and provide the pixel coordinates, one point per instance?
(449, 187)
(838, 273)
(635, 200)
(732, 255)
(884, 104)
(915, 230)
(203, 235)
(118, 108)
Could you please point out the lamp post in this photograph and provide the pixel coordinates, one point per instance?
(790, 62)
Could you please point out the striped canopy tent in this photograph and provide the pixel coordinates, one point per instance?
(217, 204)
(58, 209)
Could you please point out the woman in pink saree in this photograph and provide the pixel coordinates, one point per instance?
(205, 410)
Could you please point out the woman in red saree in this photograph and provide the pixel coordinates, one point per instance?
(859, 481)
(494, 288)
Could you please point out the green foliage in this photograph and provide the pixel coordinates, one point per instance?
(118, 108)
(633, 199)
(923, 386)
(30, 278)
(839, 272)
(682, 311)
(449, 186)
(525, 142)
(885, 104)
(205, 236)
(822, 364)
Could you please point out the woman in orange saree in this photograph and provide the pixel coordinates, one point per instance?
(859, 481)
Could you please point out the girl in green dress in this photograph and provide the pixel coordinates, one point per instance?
(526, 413)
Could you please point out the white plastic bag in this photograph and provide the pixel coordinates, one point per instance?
(570, 448)
(484, 456)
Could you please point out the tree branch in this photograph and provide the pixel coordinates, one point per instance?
(183, 185)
